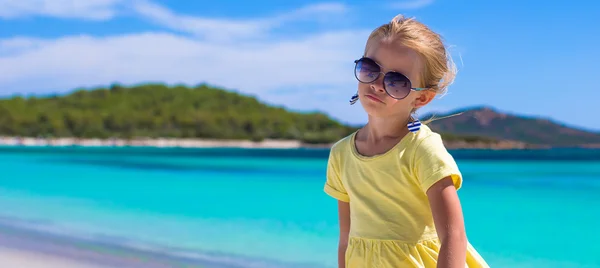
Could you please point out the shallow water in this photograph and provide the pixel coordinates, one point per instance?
(268, 205)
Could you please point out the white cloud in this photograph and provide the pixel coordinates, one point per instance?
(412, 4)
(83, 9)
(204, 27)
(263, 66)
(228, 29)
(209, 28)
(310, 12)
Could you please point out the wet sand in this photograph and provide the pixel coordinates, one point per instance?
(16, 258)
(21, 248)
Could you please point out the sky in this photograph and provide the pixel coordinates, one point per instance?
(533, 58)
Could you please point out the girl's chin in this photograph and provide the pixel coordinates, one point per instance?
(375, 111)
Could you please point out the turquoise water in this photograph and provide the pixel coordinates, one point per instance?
(268, 205)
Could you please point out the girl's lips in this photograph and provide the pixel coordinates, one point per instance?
(374, 98)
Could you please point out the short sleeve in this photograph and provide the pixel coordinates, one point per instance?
(334, 186)
(433, 163)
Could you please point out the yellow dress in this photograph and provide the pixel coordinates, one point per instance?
(391, 221)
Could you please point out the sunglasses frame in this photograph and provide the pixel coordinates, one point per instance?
(384, 74)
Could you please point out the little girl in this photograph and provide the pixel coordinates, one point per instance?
(395, 182)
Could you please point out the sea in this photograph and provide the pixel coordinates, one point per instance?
(267, 208)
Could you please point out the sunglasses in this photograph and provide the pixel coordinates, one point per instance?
(396, 85)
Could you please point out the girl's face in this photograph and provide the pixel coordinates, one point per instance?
(392, 56)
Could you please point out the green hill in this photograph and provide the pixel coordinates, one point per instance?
(155, 110)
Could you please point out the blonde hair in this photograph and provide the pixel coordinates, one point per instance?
(439, 70)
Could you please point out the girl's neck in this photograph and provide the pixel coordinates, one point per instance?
(378, 128)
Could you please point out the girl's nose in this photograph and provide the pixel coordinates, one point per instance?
(378, 84)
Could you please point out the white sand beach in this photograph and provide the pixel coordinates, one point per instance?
(29, 248)
(15, 258)
(159, 142)
(217, 143)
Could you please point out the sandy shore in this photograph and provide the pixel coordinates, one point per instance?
(20, 248)
(14, 258)
(215, 143)
(24, 247)
(159, 142)
(30, 248)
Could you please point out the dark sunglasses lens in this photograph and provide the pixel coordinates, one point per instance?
(397, 85)
(366, 71)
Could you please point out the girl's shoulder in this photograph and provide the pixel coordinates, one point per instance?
(343, 145)
(426, 141)
(431, 161)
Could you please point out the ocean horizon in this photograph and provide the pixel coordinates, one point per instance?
(233, 207)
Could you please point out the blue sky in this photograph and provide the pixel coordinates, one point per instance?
(524, 57)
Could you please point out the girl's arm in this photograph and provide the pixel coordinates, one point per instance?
(448, 218)
(344, 219)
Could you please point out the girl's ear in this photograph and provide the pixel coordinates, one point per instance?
(424, 98)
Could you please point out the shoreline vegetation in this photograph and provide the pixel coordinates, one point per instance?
(157, 115)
